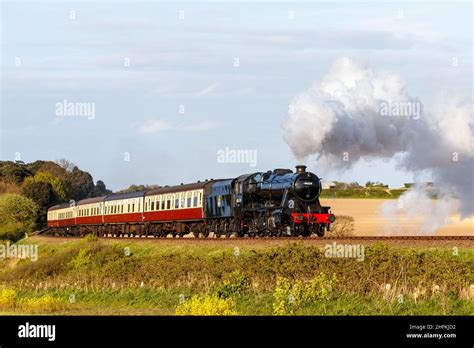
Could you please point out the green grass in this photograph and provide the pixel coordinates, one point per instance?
(108, 277)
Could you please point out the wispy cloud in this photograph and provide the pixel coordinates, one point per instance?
(154, 126)
(160, 125)
(206, 90)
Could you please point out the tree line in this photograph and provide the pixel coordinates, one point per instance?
(27, 190)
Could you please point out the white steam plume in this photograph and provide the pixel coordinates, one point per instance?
(354, 113)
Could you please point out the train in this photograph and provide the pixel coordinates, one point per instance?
(275, 203)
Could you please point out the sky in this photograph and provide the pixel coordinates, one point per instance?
(173, 84)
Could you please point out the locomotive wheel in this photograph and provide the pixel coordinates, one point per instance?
(320, 231)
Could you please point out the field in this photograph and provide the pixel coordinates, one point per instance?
(368, 219)
(168, 277)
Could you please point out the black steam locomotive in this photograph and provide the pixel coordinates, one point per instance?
(274, 203)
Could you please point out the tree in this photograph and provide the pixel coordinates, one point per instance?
(100, 189)
(55, 182)
(135, 188)
(79, 184)
(13, 172)
(42, 194)
(39, 192)
(67, 165)
(18, 211)
(354, 185)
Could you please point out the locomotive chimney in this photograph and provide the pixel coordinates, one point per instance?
(300, 169)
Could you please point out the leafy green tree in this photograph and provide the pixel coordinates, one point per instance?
(135, 188)
(79, 184)
(100, 189)
(18, 215)
(13, 172)
(55, 182)
(42, 194)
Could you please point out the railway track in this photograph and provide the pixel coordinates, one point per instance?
(328, 238)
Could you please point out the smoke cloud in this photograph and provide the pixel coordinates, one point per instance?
(355, 113)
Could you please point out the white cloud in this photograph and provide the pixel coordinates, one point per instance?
(154, 126)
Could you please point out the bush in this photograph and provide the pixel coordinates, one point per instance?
(46, 303)
(12, 231)
(342, 227)
(234, 284)
(7, 298)
(82, 259)
(291, 297)
(206, 305)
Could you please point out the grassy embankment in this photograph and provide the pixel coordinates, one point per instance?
(109, 277)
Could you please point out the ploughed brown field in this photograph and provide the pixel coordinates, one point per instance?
(369, 220)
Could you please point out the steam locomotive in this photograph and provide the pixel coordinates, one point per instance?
(274, 203)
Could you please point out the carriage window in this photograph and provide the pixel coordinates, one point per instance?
(200, 198)
(152, 206)
(188, 203)
(163, 202)
(146, 205)
(121, 209)
(195, 203)
(176, 202)
(168, 204)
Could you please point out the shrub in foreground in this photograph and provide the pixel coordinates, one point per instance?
(206, 305)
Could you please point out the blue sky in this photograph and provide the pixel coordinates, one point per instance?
(184, 54)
